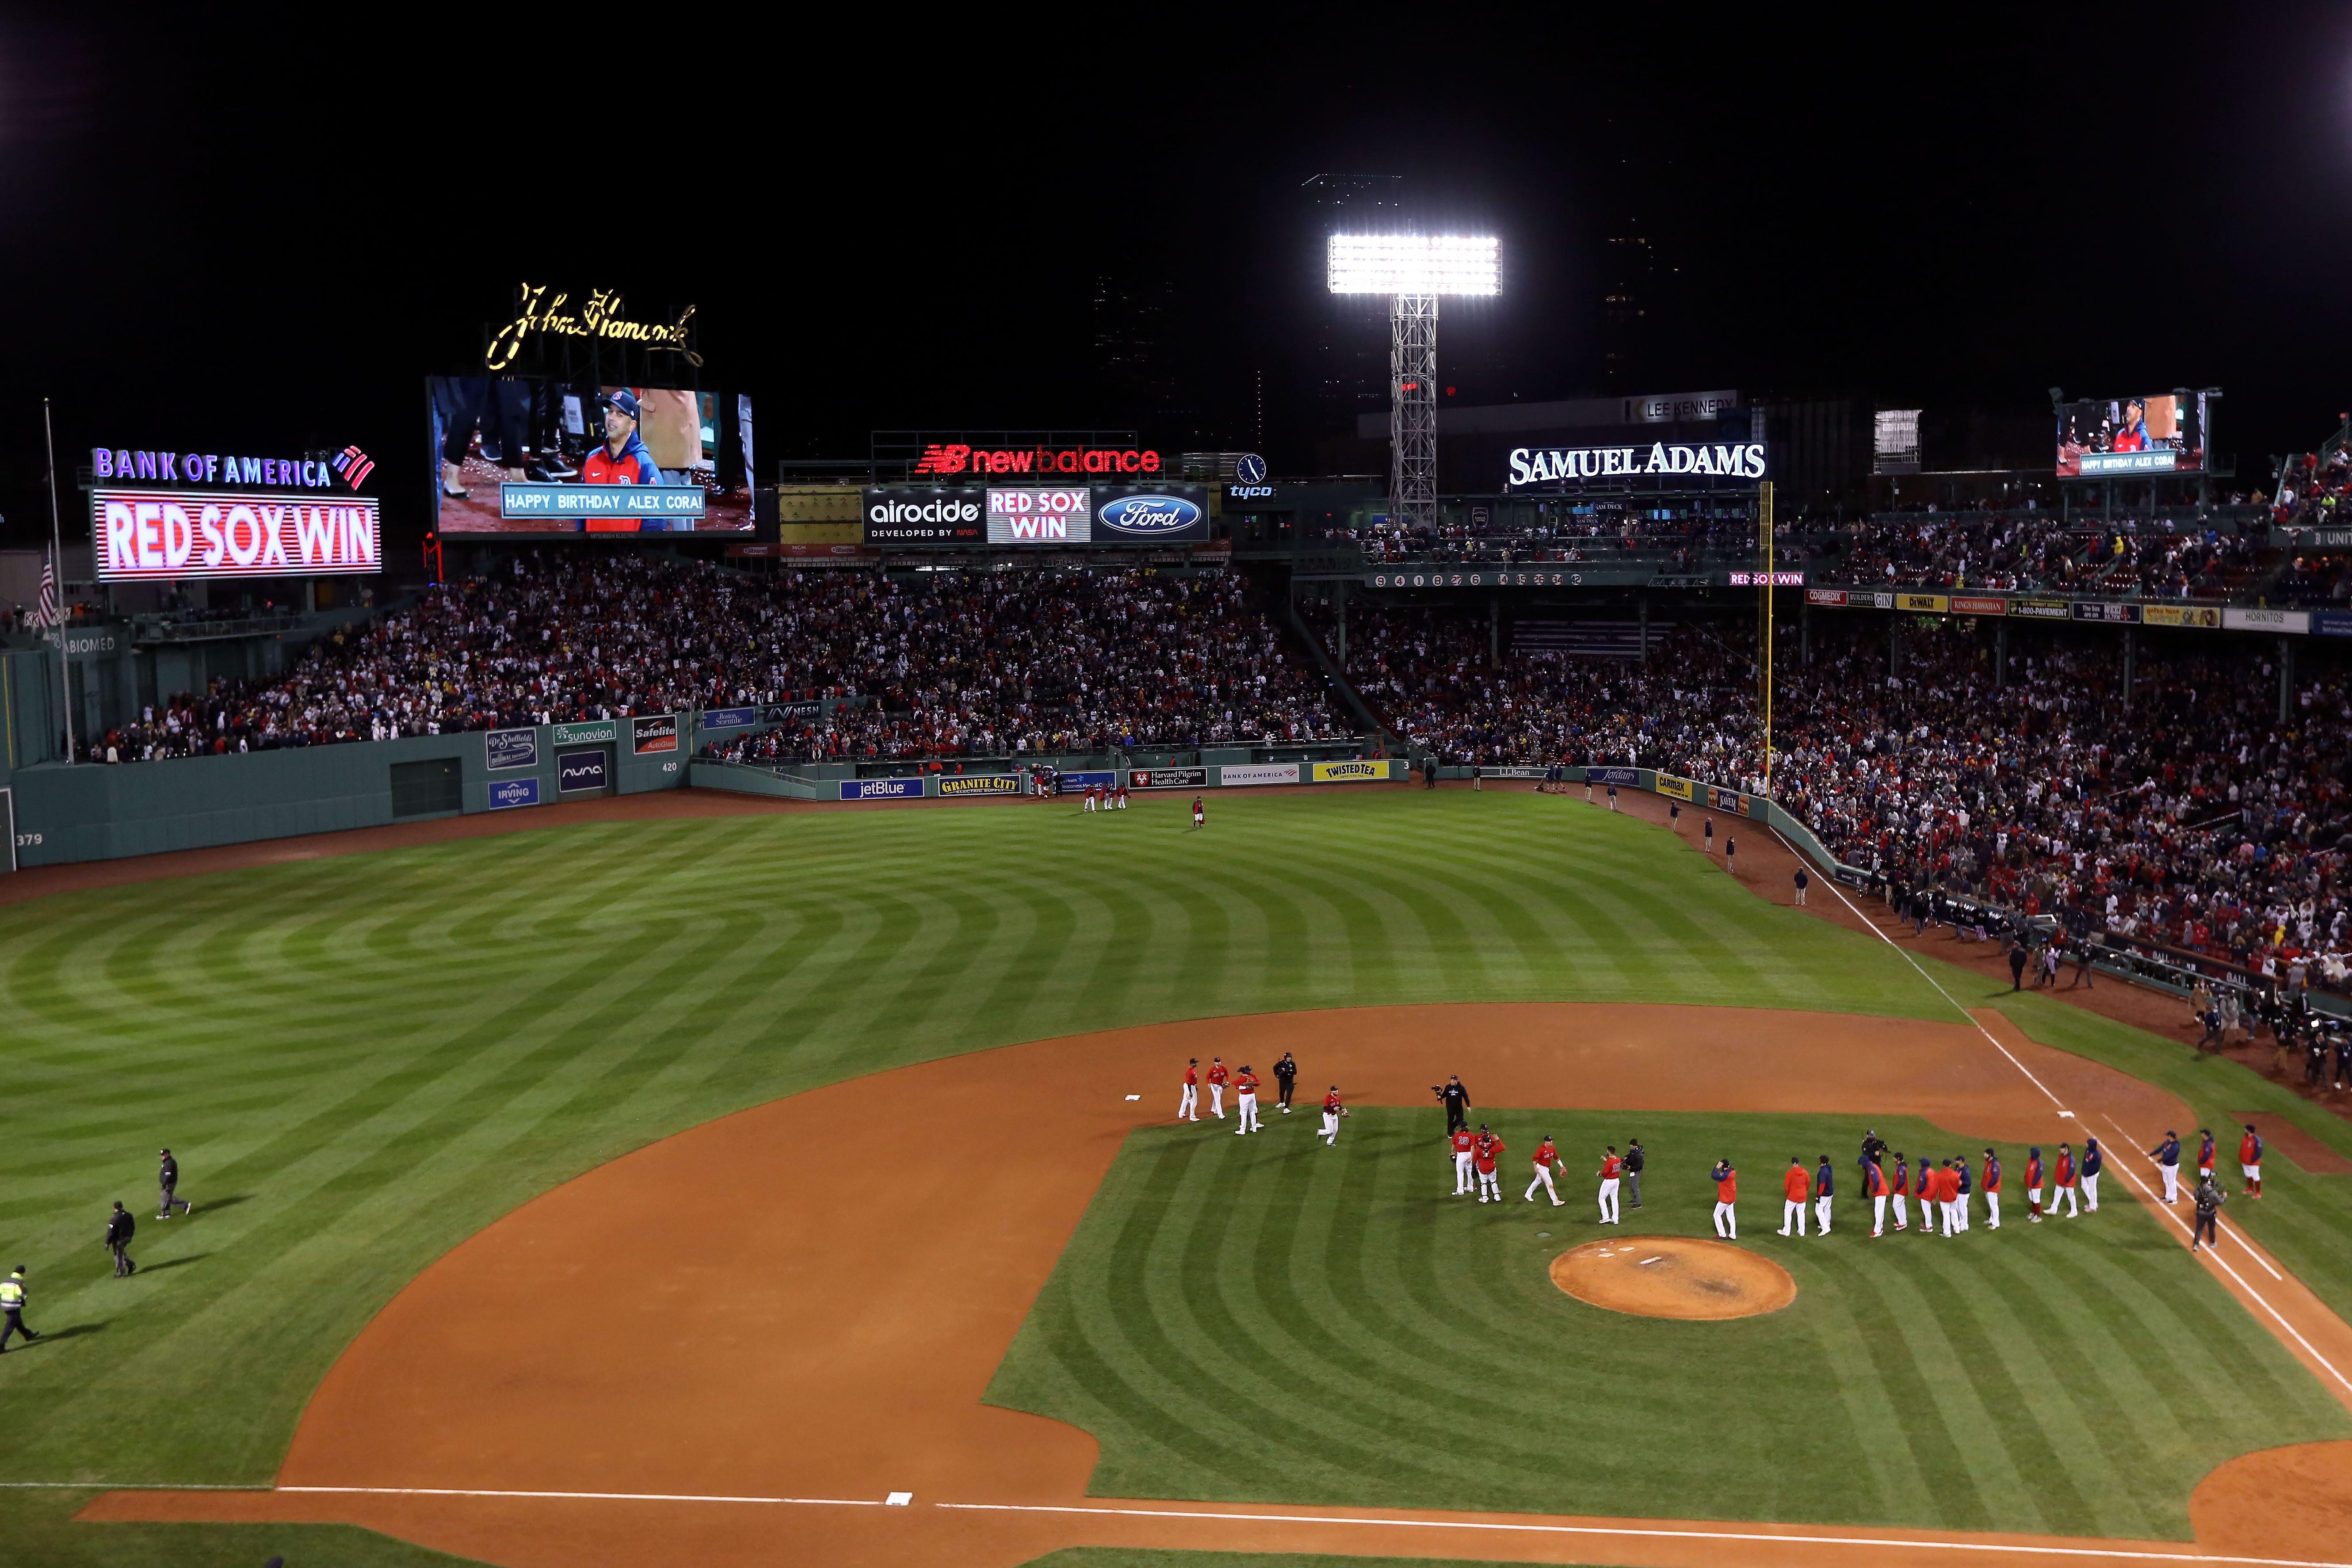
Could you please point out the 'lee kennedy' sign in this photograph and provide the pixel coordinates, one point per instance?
(1552, 464)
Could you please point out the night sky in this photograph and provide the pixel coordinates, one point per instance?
(220, 235)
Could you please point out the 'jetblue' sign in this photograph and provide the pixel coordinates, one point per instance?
(880, 789)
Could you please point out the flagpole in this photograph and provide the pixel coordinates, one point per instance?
(57, 565)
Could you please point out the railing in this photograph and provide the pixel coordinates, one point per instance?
(147, 630)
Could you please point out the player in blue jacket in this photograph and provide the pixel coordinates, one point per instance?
(623, 459)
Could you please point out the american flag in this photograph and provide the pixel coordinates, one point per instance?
(47, 613)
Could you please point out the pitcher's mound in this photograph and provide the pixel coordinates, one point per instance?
(1674, 1277)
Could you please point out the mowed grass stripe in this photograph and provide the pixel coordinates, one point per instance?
(1269, 1319)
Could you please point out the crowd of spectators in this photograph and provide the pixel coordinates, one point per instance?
(2314, 489)
(995, 664)
(2033, 553)
(2188, 819)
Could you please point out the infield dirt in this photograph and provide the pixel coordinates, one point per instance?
(645, 1363)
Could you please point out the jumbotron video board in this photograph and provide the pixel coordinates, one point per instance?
(2155, 433)
(528, 457)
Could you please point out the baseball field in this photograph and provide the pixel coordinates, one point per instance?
(678, 1189)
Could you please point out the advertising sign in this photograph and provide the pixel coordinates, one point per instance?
(1347, 773)
(729, 718)
(784, 712)
(1078, 783)
(1680, 789)
(2206, 615)
(2290, 621)
(1926, 604)
(1258, 773)
(157, 535)
(1729, 800)
(2331, 623)
(979, 784)
(1961, 606)
(657, 733)
(1614, 775)
(2041, 609)
(1832, 597)
(2127, 613)
(1767, 580)
(581, 735)
(905, 516)
(625, 503)
(581, 771)
(2162, 434)
(881, 789)
(1149, 516)
(959, 457)
(1660, 459)
(510, 749)
(1168, 778)
(508, 792)
(1040, 516)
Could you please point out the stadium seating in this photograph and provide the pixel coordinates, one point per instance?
(1020, 662)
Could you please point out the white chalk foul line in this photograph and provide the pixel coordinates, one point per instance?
(2258, 1299)
(1648, 1533)
(590, 1497)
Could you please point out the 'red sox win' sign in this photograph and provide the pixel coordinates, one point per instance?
(158, 535)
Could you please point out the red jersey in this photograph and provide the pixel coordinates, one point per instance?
(1874, 1180)
(1487, 1149)
(1901, 1178)
(1245, 1083)
(1926, 1188)
(2205, 1154)
(1217, 1073)
(1948, 1185)
(2249, 1149)
(1991, 1182)
(1726, 1187)
(2063, 1175)
(1545, 1153)
(1331, 1100)
(2032, 1172)
(1462, 1138)
(1797, 1185)
(1192, 1077)
(1610, 1166)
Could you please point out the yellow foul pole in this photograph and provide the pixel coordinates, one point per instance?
(1764, 531)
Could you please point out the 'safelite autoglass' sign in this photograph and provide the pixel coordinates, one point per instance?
(160, 535)
(1660, 459)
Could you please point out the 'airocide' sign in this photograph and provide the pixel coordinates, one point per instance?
(158, 535)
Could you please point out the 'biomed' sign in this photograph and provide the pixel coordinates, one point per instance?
(158, 535)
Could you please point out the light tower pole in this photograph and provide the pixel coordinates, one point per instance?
(1414, 270)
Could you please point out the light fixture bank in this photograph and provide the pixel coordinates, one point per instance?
(1550, 465)
(1415, 265)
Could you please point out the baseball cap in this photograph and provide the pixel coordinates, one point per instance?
(624, 400)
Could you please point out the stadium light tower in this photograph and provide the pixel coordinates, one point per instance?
(1414, 270)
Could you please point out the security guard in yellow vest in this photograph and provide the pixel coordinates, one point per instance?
(12, 1306)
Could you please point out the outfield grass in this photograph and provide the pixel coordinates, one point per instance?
(362, 1060)
(1268, 1320)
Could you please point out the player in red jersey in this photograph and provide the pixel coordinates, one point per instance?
(1217, 1075)
(1873, 1183)
(2061, 1184)
(1991, 1187)
(1902, 1191)
(1245, 1100)
(2034, 1184)
(1796, 1191)
(1189, 1108)
(1611, 1172)
(1487, 1151)
(1122, 795)
(2250, 1160)
(1465, 1150)
(1197, 818)
(1926, 1192)
(1727, 1199)
(1547, 1156)
(1332, 1111)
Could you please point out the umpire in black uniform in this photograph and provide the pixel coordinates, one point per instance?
(1457, 1104)
(120, 1229)
(168, 1179)
(1633, 1161)
(1286, 1075)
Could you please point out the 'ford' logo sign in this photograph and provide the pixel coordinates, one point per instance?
(1149, 515)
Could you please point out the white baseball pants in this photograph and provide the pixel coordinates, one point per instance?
(2091, 1193)
(1821, 1214)
(1189, 1108)
(1331, 1133)
(1607, 1200)
(1461, 1182)
(1217, 1099)
(1992, 1211)
(1490, 1182)
(2171, 1182)
(1793, 1212)
(1878, 1214)
(1727, 1221)
(1247, 1104)
(1902, 1212)
(2065, 1195)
